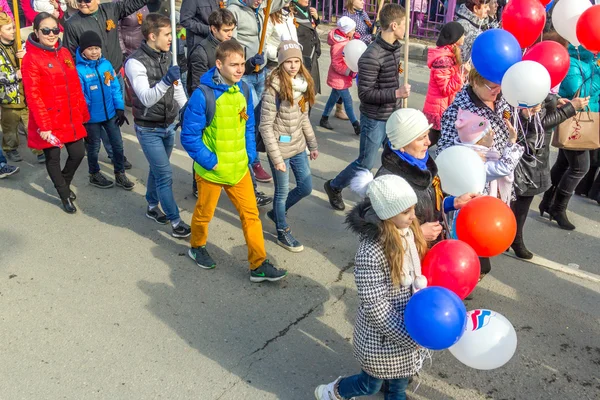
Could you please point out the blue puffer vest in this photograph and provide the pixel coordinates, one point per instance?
(101, 88)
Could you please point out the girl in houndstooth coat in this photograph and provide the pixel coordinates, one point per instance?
(387, 272)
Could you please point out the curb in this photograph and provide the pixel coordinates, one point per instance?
(554, 266)
(416, 51)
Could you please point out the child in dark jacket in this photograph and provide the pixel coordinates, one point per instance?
(105, 103)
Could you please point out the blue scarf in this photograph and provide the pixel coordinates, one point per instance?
(419, 163)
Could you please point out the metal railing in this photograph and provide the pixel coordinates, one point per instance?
(424, 25)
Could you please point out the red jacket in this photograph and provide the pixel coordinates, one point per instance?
(30, 14)
(445, 80)
(53, 93)
(339, 76)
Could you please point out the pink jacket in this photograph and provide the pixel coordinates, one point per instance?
(339, 76)
(445, 80)
(5, 8)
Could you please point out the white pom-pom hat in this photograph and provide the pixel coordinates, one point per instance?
(390, 195)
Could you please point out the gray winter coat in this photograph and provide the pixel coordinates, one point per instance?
(473, 27)
(290, 120)
(382, 345)
(104, 23)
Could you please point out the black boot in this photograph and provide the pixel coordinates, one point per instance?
(558, 210)
(547, 200)
(356, 126)
(325, 123)
(519, 248)
(520, 208)
(68, 206)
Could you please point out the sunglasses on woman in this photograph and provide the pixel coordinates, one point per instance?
(84, 1)
(47, 31)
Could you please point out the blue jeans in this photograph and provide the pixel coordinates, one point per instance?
(364, 384)
(157, 144)
(2, 157)
(284, 199)
(105, 138)
(335, 95)
(256, 83)
(112, 131)
(372, 137)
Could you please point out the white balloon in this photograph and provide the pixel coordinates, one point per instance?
(352, 52)
(489, 341)
(461, 171)
(565, 15)
(526, 84)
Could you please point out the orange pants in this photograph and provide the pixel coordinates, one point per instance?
(243, 198)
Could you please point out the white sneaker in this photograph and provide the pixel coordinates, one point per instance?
(327, 392)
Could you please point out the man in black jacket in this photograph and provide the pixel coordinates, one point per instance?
(202, 56)
(194, 15)
(380, 95)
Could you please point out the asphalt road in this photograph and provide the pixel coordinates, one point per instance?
(104, 304)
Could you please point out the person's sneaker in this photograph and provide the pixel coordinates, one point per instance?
(14, 156)
(182, 230)
(335, 196)
(262, 199)
(267, 272)
(202, 258)
(41, 158)
(123, 181)
(324, 122)
(356, 127)
(260, 174)
(157, 215)
(100, 181)
(126, 164)
(327, 392)
(287, 241)
(7, 170)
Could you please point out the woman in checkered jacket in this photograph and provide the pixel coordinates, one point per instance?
(387, 271)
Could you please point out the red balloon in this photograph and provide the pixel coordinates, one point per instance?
(454, 265)
(487, 224)
(553, 56)
(525, 19)
(545, 2)
(588, 29)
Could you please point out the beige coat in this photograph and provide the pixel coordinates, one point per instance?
(289, 121)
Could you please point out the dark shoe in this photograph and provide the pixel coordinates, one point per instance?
(520, 250)
(7, 170)
(157, 215)
(287, 241)
(325, 123)
(335, 196)
(195, 191)
(182, 230)
(262, 199)
(100, 181)
(340, 113)
(267, 272)
(202, 258)
(356, 126)
(260, 174)
(271, 216)
(558, 210)
(41, 158)
(68, 206)
(14, 156)
(126, 164)
(72, 195)
(546, 200)
(123, 181)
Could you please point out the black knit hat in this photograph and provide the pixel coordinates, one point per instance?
(450, 34)
(89, 39)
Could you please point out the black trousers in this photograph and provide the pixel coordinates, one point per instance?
(485, 265)
(62, 177)
(520, 208)
(568, 170)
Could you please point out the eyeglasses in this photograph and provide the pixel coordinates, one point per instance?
(47, 31)
(496, 89)
(84, 1)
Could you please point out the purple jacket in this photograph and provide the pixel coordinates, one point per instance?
(364, 27)
(130, 30)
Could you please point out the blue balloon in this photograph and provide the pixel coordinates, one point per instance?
(549, 6)
(494, 52)
(435, 318)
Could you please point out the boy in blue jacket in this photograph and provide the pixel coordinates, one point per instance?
(104, 99)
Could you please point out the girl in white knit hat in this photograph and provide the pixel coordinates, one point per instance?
(387, 270)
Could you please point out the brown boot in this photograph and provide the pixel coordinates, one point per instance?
(340, 113)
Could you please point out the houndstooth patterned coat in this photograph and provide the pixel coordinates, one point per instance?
(382, 345)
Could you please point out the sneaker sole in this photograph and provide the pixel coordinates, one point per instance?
(126, 188)
(180, 236)
(258, 279)
(102, 187)
(156, 220)
(289, 248)
(6, 175)
(200, 265)
(264, 180)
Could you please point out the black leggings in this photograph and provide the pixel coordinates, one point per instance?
(485, 264)
(570, 167)
(520, 208)
(62, 177)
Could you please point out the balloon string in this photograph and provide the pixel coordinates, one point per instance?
(539, 131)
(424, 354)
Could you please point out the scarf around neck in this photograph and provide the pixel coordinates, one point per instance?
(299, 85)
(419, 163)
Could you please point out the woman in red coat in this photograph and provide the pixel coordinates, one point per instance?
(57, 108)
(446, 77)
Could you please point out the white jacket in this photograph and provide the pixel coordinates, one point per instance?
(278, 32)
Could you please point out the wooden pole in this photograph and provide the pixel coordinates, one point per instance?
(17, 24)
(173, 32)
(406, 45)
(263, 33)
(379, 7)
